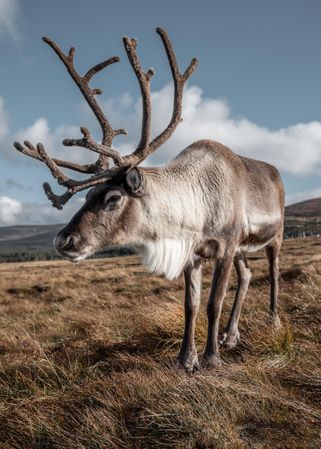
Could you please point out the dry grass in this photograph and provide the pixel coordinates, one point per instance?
(87, 358)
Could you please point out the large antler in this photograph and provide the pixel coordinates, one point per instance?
(100, 170)
(142, 152)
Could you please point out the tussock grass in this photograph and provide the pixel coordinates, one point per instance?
(87, 360)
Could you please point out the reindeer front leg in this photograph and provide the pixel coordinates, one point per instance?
(187, 357)
(214, 307)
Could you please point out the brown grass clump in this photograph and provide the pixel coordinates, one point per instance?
(87, 360)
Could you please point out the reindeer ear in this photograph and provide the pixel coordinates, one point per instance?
(134, 181)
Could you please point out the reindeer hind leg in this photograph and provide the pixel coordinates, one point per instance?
(231, 335)
(272, 253)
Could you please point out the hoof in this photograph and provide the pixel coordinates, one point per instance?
(230, 339)
(211, 361)
(188, 362)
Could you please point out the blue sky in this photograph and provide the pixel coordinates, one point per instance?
(257, 88)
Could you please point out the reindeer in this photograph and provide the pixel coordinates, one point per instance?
(208, 203)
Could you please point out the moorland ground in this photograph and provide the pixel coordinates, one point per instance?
(87, 356)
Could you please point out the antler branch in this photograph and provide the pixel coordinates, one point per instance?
(82, 83)
(179, 79)
(30, 150)
(179, 82)
(89, 94)
(73, 186)
(144, 84)
(88, 142)
(99, 169)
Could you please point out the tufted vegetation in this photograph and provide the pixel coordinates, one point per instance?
(87, 359)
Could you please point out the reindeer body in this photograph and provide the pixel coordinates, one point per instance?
(205, 196)
(208, 203)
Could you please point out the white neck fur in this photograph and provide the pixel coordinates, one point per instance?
(166, 256)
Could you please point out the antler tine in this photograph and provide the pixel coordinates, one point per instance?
(73, 187)
(71, 184)
(179, 82)
(30, 150)
(39, 152)
(58, 201)
(89, 94)
(82, 83)
(144, 84)
(88, 142)
(53, 167)
(98, 67)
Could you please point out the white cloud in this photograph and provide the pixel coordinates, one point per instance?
(9, 210)
(9, 16)
(13, 212)
(296, 149)
(38, 132)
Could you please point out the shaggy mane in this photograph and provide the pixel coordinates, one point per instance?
(167, 257)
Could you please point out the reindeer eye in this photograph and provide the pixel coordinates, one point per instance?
(114, 199)
(111, 202)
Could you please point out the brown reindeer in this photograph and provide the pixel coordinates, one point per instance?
(208, 203)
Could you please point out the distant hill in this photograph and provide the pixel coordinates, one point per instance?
(37, 236)
(308, 208)
(303, 219)
(24, 243)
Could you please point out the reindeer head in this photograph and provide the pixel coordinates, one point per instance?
(110, 216)
(112, 205)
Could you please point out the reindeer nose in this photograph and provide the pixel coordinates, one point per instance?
(64, 243)
(68, 244)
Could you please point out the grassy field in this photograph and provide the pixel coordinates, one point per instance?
(87, 356)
